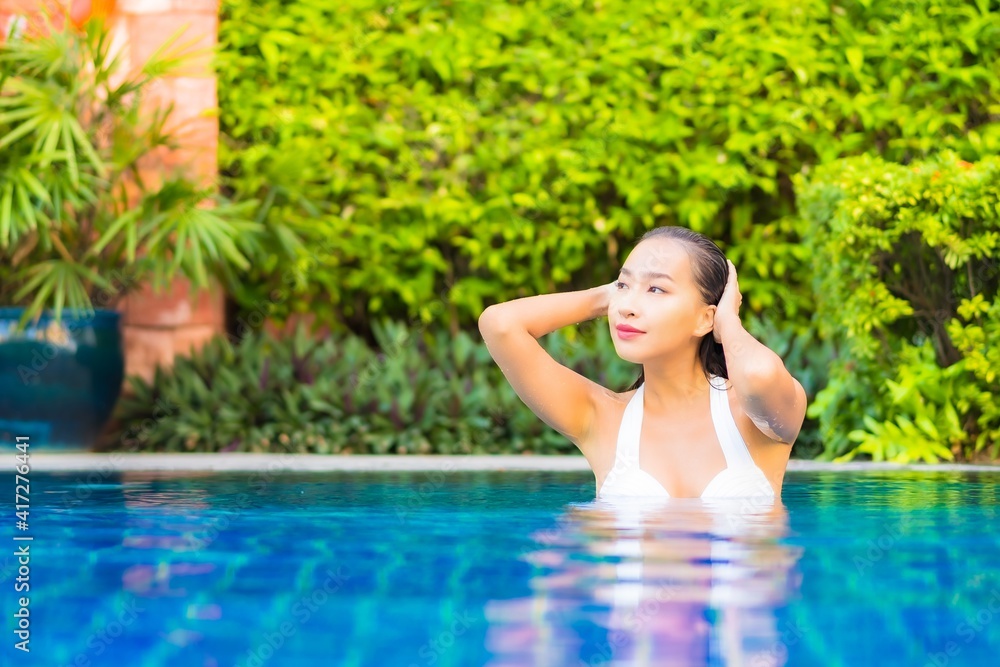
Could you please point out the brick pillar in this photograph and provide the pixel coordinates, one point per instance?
(157, 327)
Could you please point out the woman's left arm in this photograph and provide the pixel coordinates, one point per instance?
(773, 399)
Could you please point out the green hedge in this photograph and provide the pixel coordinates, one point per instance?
(906, 281)
(417, 392)
(472, 152)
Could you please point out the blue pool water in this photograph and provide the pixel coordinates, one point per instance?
(506, 568)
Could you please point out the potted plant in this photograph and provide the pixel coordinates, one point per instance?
(81, 225)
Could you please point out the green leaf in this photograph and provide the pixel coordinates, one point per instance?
(856, 58)
(21, 130)
(86, 147)
(6, 204)
(125, 223)
(71, 161)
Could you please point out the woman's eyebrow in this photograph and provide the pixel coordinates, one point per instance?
(647, 274)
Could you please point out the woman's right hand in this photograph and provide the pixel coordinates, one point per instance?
(603, 298)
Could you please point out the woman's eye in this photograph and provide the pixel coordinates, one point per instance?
(621, 285)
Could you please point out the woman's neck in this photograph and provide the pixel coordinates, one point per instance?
(673, 384)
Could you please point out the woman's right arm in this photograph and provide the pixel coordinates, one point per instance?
(559, 396)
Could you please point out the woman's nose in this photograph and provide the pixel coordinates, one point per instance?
(623, 302)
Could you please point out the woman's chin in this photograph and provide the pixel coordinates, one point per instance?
(627, 355)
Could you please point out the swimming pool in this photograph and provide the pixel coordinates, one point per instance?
(504, 568)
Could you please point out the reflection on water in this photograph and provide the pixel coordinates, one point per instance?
(653, 582)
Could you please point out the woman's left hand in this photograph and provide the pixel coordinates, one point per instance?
(728, 309)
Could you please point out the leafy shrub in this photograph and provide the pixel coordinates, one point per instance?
(476, 152)
(417, 393)
(906, 278)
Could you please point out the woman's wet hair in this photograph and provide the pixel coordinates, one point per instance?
(711, 272)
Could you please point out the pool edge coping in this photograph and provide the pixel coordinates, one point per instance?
(245, 462)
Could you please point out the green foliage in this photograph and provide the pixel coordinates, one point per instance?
(78, 224)
(418, 392)
(975, 333)
(906, 285)
(480, 151)
(921, 422)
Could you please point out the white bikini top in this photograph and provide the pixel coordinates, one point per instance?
(741, 478)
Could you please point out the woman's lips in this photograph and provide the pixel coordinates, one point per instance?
(624, 334)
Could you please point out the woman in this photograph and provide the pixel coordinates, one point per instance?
(713, 413)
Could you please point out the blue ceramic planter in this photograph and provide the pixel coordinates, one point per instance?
(59, 381)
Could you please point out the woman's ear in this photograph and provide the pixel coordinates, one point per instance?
(707, 321)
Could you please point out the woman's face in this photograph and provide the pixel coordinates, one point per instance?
(657, 295)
